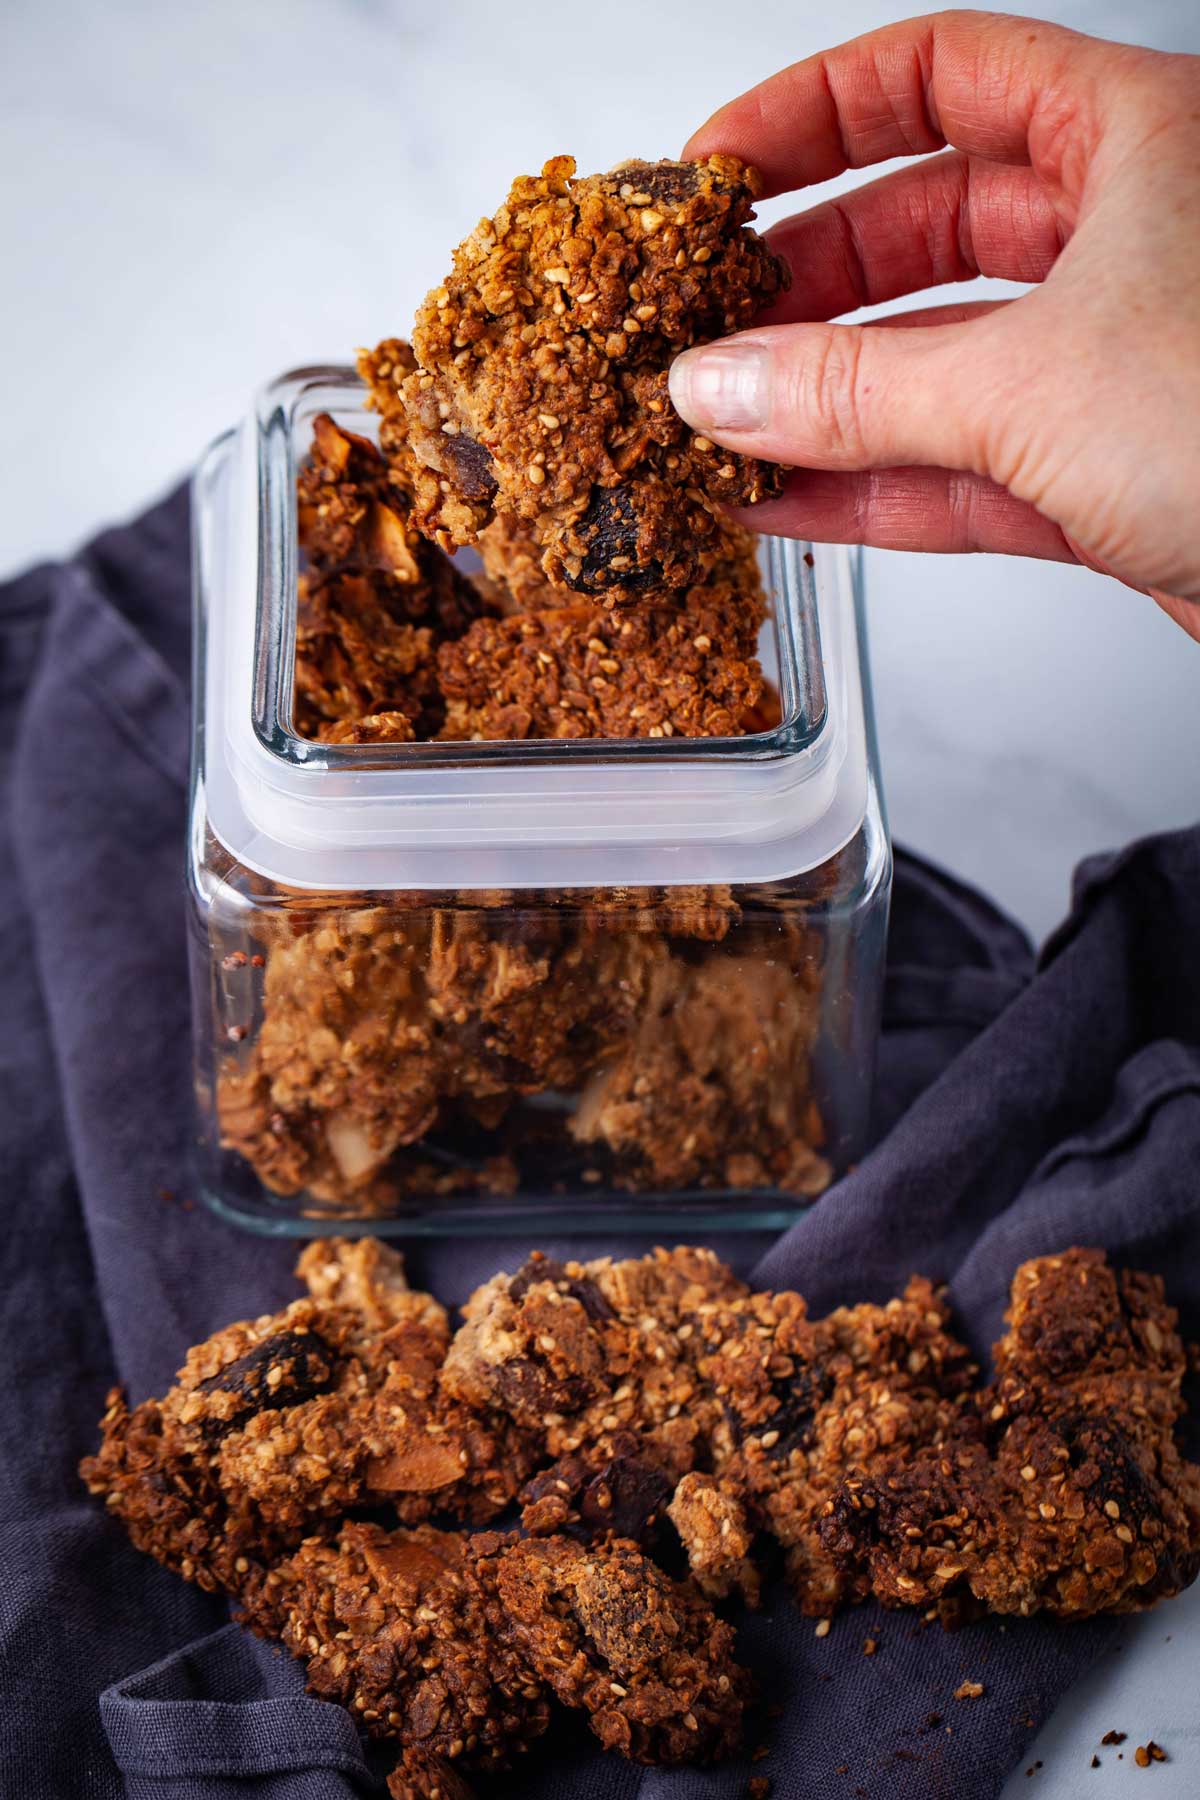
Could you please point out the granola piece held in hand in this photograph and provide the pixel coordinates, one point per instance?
(1076, 1501)
(540, 385)
(513, 580)
(397, 1627)
(608, 1632)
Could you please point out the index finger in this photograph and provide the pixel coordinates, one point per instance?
(985, 82)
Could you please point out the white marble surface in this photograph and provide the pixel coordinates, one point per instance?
(195, 198)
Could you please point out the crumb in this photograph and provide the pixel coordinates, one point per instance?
(1114, 1737)
(870, 1646)
(969, 1690)
(758, 1787)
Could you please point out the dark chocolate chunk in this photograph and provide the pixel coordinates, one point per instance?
(670, 183)
(545, 1268)
(626, 1498)
(528, 1390)
(280, 1371)
(473, 467)
(609, 528)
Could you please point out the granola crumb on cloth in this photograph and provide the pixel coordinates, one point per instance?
(540, 378)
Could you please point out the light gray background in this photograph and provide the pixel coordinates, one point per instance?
(196, 197)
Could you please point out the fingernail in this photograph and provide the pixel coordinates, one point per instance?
(723, 387)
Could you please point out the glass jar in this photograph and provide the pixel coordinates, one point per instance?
(456, 987)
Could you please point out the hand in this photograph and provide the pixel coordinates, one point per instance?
(1064, 423)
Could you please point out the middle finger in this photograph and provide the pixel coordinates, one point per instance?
(947, 218)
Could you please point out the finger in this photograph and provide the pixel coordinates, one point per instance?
(908, 509)
(853, 396)
(981, 81)
(947, 219)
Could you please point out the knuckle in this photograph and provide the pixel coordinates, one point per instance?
(829, 399)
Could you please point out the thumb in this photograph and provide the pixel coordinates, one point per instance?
(844, 396)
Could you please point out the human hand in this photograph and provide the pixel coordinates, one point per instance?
(1064, 423)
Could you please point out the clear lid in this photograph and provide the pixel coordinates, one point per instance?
(530, 814)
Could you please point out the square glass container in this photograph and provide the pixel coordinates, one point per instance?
(476, 987)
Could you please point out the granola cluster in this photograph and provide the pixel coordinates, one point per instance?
(266, 1467)
(394, 645)
(679, 1032)
(612, 1395)
(536, 384)
(375, 600)
(530, 416)
(321, 1464)
(325, 1465)
(1062, 1490)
